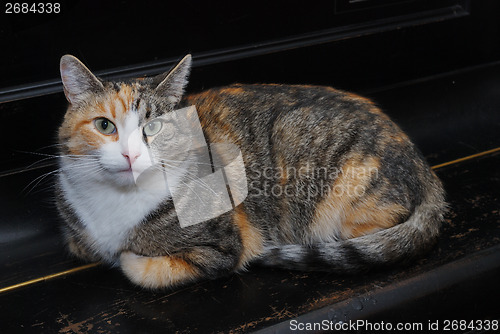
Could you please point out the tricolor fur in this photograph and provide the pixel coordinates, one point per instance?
(333, 183)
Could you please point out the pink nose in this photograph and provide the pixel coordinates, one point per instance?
(131, 157)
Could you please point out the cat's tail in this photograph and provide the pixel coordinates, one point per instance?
(399, 243)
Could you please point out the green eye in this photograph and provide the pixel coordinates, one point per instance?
(152, 128)
(105, 126)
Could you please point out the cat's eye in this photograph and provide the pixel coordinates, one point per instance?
(152, 128)
(105, 126)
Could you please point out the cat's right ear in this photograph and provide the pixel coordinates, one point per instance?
(77, 80)
(172, 83)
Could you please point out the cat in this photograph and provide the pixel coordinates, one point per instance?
(331, 182)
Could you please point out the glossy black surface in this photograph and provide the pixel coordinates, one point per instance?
(443, 285)
(117, 33)
(439, 81)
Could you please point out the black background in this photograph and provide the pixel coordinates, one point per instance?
(433, 66)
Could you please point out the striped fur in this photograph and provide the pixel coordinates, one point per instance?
(334, 184)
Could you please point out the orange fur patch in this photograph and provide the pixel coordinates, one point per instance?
(157, 272)
(355, 97)
(341, 214)
(82, 123)
(283, 170)
(211, 109)
(372, 216)
(112, 109)
(123, 104)
(81, 129)
(399, 137)
(251, 237)
(233, 90)
(355, 176)
(127, 96)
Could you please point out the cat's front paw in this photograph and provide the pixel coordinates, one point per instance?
(157, 272)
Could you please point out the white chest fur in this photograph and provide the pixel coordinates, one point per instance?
(109, 213)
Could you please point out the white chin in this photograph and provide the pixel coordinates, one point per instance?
(121, 178)
(150, 179)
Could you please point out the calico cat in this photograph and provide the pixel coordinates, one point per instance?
(332, 183)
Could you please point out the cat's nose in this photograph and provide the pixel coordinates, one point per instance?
(131, 157)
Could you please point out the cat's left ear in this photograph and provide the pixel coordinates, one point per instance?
(172, 83)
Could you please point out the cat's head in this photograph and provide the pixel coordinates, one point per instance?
(112, 128)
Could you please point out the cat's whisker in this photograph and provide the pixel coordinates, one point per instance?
(89, 166)
(193, 178)
(194, 192)
(90, 171)
(200, 181)
(194, 163)
(77, 158)
(37, 181)
(39, 164)
(50, 146)
(186, 174)
(57, 155)
(49, 157)
(80, 164)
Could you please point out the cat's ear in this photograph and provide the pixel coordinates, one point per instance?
(171, 84)
(77, 80)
